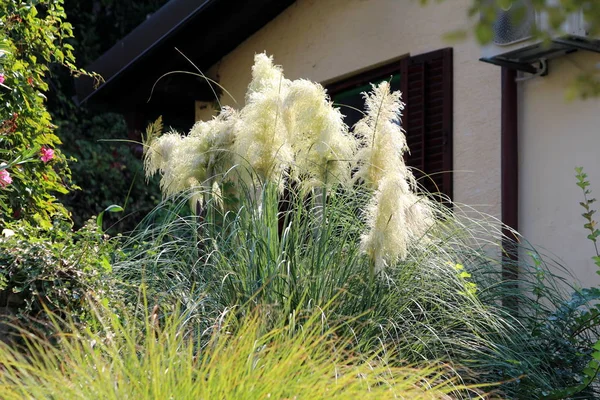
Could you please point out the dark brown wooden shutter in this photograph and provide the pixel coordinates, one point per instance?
(428, 93)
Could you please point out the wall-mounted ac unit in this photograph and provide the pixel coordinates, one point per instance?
(514, 46)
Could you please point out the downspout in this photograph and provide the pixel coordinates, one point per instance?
(509, 146)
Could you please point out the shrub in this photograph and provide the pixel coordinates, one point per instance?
(407, 274)
(56, 270)
(442, 302)
(577, 321)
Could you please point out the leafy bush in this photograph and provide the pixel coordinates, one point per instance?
(153, 360)
(578, 320)
(55, 270)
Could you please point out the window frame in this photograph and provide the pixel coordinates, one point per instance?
(403, 66)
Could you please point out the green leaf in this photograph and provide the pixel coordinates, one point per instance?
(504, 4)
(112, 208)
(589, 371)
(456, 36)
(484, 33)
(106, 265)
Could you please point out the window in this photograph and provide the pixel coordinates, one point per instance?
(426, 85)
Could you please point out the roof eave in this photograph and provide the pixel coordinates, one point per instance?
(162, 28)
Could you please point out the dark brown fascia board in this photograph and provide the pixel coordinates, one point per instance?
(162, 24)
(226, 22)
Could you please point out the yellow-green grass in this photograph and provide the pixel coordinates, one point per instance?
(242, 360)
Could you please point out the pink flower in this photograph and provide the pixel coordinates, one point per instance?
(46, 154)
(5, 178)
(1, 78)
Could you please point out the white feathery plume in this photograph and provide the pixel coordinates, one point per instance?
(395, 218)
(382, 137)
(395, 215)
(159, 153)
(193, 161)
(292, 125)
(217, 137)
(323, 148)
(261, 138)
(265, 75)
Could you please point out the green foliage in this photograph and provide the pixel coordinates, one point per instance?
(54, 270)
(110, 209)
(591, 224)
(483, 13)
(33, 35)
(568, 329)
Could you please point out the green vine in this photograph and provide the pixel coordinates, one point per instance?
(33, 35)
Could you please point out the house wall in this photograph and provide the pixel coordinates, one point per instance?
(323, 40)
(555, 137)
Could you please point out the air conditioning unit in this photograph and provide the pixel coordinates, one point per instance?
(514, 46)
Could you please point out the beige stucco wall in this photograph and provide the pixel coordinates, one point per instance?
(325, 39)
(555, 137)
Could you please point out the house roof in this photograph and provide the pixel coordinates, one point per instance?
(203, 30)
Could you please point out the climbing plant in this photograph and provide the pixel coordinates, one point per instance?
(33, 171)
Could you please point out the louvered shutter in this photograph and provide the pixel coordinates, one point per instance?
(428, 93)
